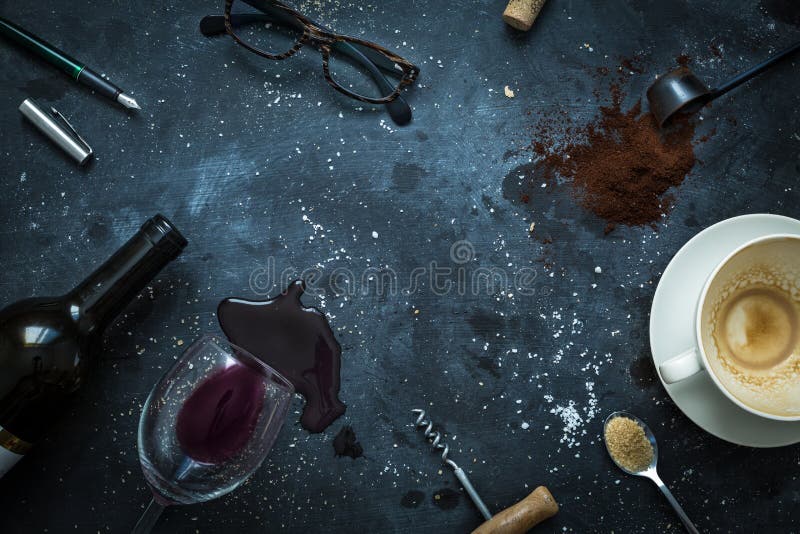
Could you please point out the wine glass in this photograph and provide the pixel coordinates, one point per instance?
(208, 424)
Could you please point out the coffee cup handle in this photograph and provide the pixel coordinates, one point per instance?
(681, 367)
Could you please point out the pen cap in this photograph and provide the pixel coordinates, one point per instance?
(56, 127)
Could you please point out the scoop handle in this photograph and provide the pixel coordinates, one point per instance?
(755, 71)
(523, 516)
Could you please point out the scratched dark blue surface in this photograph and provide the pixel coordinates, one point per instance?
(260, 164)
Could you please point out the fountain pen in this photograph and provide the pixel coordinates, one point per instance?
(62, 61)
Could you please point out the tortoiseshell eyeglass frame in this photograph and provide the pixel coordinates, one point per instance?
(315, 33)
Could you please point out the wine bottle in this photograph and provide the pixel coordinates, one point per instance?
(47, 344)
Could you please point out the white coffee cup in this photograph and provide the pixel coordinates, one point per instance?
(773, 258)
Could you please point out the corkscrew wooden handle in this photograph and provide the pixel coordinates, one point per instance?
(523, 516)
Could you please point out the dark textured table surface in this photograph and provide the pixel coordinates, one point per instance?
(263, 166)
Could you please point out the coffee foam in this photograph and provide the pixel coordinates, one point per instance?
(751, 303)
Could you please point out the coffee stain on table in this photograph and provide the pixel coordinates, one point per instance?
(412, 499)
(643, 372)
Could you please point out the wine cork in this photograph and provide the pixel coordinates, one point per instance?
(520, 14)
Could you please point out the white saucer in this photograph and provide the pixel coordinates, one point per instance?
(672, 331)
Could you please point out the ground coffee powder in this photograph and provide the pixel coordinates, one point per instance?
(620, 166)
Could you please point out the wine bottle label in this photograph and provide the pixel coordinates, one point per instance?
(11, 450)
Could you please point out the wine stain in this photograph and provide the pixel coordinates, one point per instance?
(489, 365)
(401, 439)
(99, 231)
(294, 340)
(412, 499)
(446, 498)
(407, 176)
(346, 443)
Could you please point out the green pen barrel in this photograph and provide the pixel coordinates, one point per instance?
(41, 48)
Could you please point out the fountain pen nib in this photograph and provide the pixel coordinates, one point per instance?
(127, 101)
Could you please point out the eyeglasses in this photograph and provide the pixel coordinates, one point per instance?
(359, 69)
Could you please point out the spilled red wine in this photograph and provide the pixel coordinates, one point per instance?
(218, 418)
(295, 341)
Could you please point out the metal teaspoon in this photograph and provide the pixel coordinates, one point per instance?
(650, 472)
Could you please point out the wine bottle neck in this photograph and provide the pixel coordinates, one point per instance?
(106, 292)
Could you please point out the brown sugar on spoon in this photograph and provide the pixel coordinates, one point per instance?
(628, 444)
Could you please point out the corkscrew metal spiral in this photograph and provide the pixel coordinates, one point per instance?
(438, 444)
(435, 437)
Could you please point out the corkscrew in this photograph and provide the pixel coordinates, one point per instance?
(436, 440)
(516, 519)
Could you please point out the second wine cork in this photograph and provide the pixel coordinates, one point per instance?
(520, 14)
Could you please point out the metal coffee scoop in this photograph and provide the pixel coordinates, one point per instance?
(650, 471)
(680, 91)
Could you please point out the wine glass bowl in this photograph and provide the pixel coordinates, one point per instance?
(209, 423)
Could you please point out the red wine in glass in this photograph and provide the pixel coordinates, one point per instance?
(218, 418)
(208, 424)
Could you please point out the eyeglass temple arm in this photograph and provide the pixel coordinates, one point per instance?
(399, 109)
(352, 52)
(212, 25)
(273, 8)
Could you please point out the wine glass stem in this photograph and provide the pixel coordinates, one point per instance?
(149, 518)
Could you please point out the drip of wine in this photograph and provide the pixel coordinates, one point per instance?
(295, 341)
(218, 418)
(48, 343)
